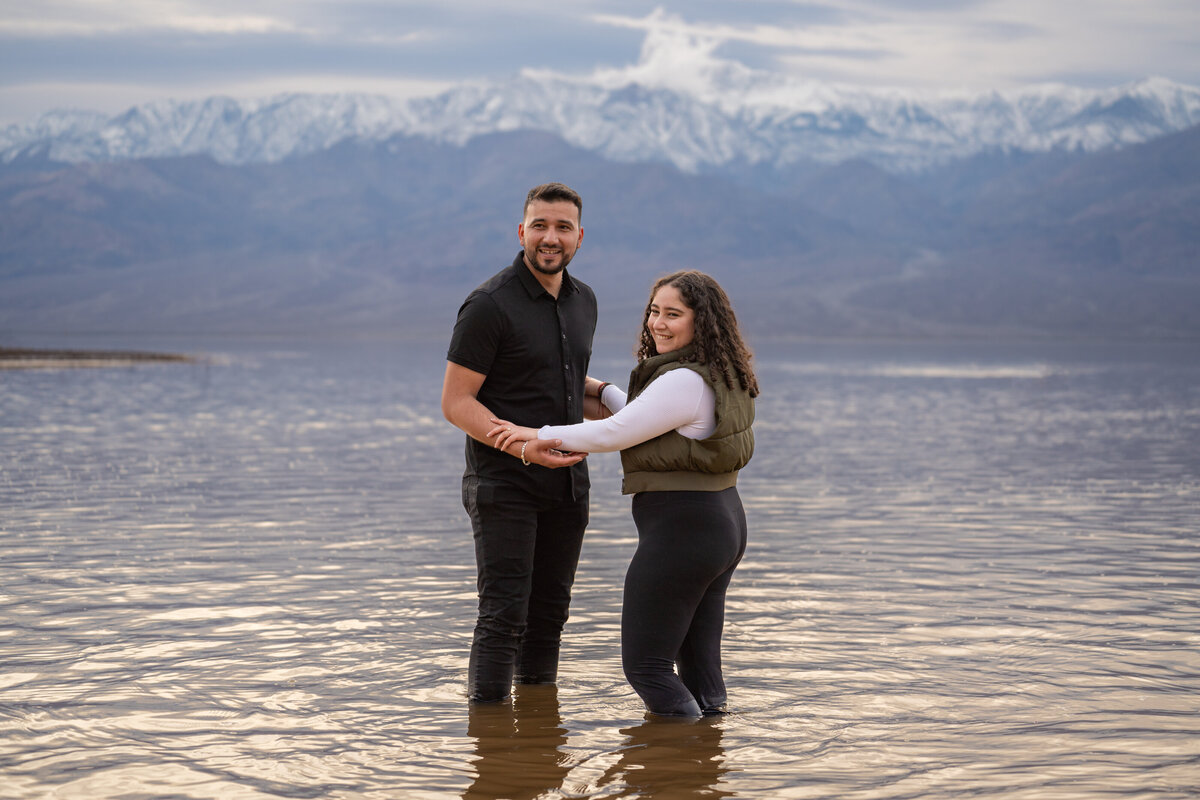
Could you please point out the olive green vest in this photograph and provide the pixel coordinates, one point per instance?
(672, 461)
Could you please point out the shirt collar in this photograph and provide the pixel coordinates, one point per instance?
(531, 284)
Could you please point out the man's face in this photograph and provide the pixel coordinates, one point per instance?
(550, 234)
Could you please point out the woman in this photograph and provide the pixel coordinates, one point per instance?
(684, 431)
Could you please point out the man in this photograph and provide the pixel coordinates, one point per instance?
(520, 352)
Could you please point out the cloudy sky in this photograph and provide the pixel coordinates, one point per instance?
(112, 54)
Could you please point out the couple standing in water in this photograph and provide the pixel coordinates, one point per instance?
(517, 384)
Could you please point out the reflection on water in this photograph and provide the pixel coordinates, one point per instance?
(668, 758)
(522, 752)
(972, 571)
(519, 746)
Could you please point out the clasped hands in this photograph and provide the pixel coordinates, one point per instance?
(537, 451)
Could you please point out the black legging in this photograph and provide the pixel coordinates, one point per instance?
(689, 543)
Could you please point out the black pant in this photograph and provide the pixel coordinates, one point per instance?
(526, 551)
(689, 544)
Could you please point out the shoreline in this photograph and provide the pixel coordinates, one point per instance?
(34, 358)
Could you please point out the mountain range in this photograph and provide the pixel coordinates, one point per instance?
(737, 121)
(1048, 212)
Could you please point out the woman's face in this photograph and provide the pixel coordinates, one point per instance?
(671, 322)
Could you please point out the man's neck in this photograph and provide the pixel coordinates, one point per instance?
(551, 283)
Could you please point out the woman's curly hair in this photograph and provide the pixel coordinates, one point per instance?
(717, 338)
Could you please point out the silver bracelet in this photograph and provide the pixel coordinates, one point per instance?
(523, 461)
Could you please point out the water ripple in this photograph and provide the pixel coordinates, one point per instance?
(969, 575)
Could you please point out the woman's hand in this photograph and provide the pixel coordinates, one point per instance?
(537, 451)
(505, 433)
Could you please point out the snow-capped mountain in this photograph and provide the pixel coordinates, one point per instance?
(733, 116)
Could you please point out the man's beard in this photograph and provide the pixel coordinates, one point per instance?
(557, 268)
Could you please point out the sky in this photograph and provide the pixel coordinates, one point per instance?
(109, 55)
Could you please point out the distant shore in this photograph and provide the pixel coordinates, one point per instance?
(30, 358)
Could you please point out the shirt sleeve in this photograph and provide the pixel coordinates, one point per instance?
(612, 398)
(678, 400)
(477, 334)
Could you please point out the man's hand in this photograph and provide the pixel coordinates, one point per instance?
(592, 407)
(545, 453)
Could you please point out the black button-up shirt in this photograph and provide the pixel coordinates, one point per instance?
(535, 351)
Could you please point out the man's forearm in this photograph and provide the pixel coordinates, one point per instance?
(470, 416)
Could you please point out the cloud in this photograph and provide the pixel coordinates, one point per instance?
(144, 49)
(57, 18)
(933, 43)
(674, 55)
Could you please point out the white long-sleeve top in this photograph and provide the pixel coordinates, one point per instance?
(679, 400)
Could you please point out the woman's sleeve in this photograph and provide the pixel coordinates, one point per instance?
(612, 398)
(672, 401)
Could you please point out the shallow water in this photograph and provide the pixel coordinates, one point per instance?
(973, 571)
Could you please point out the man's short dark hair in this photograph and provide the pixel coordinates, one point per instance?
(553, 193)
